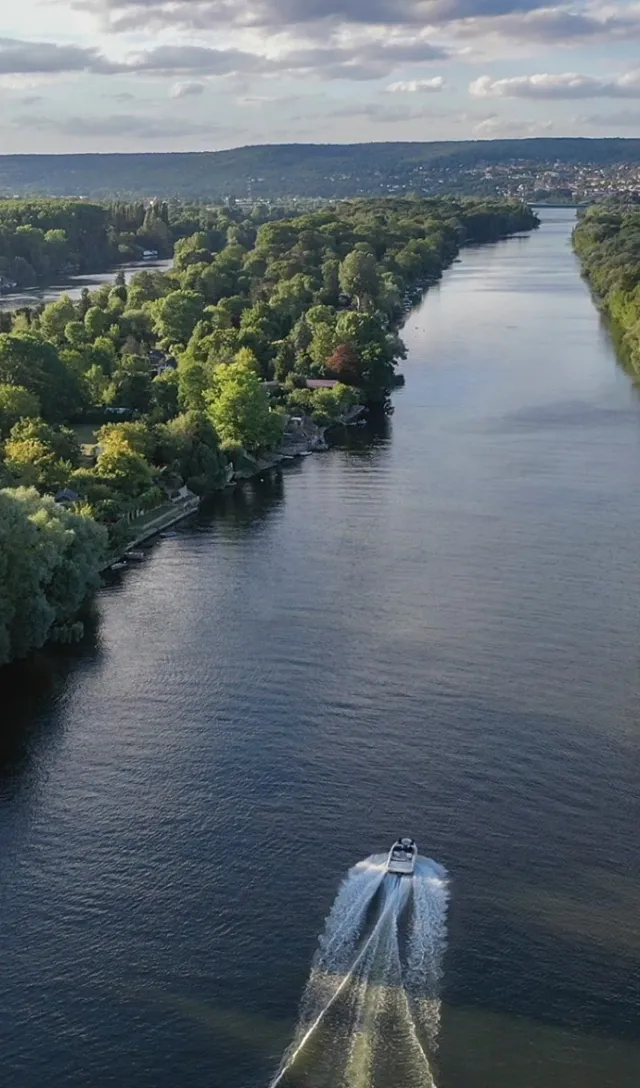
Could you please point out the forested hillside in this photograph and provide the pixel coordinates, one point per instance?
(312, 170)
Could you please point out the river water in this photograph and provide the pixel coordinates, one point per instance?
(75, 285)
(432, 629)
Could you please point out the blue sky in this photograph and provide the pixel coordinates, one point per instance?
(149, 75)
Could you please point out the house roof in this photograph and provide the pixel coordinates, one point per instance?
(321, 383)
(66, 495)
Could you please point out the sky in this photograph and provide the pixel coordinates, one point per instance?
(192, 75)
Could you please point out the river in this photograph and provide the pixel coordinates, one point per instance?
(75, 285)
(431, 629)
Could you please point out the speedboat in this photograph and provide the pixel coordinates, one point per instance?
(402, 857)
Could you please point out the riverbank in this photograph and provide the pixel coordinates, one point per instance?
(607, 243)
(324, 339)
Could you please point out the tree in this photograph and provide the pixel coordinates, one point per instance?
(41, 456)
(146, 286)
(55, 317)
(16, 403)
(346, 364)
(134, 435)
(57, 250)
(376, 349)
(34, 364)
(166, 393)
(131, 386)
(359, 277)
(193, 447)
(192, 383)
(239, 409)
(176, 316)
(323, 343)
(96, 322)
(75, 334)
(49, 562)
(126, 470)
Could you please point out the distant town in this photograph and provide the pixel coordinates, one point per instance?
(551, 170)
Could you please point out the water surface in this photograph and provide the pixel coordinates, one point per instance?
(432, 630)
(73, 286)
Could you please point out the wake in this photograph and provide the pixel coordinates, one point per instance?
(370, 1012)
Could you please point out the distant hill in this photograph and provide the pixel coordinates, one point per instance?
(309, 170)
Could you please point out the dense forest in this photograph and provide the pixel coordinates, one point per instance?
(312, 170)
(607, 241)
(44, 239)
(180, 375)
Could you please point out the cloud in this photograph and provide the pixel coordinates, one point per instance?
(187, 89)
(417, 86)
(618, 119)
(118, 125)
(380, 113)
(279, 13)
(371, 60)
(547, 85)
(34, 58)
(363, 61)
(183, 59)
(492, 128)
(555, 25)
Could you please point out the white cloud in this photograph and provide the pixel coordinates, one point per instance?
(118, 124)
(494, 128)
(546, 85)
(186, 89)
(417, 86)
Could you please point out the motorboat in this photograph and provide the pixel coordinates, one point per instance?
(402, 857)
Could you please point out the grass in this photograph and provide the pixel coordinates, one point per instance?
(86, 435)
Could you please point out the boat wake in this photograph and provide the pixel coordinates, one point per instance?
(370, 1012)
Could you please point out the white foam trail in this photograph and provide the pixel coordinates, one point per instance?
(426, 944)
(386, 1000)
(379, 971)
(344, 924)
(298, 1045)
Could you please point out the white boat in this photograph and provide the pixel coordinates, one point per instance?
(402, 857)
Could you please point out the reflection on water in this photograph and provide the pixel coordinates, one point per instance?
(431, 629)
(75, 285)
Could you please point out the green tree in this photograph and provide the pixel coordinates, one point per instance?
(176, 316)
(239, 409)
(96, 322)
(131, 386)
(192, 447)
(128, 471)
(55, 317)
(34, 364)
(39, 455)
(49, 562)
(359, 277)
(16, 403)
(166, 394)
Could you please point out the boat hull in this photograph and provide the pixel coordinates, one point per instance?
(402, 857)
